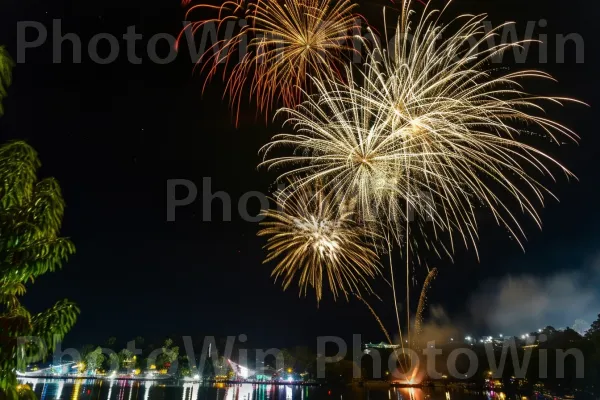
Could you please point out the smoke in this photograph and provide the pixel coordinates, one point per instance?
(438, 326)
(515, 305)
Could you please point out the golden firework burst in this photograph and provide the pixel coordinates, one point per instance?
(428, 120)
(314, 240)
(429, 127)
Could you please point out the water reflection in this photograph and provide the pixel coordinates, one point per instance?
(59, 389)
(122, 385)
(112, 389)
(493, 395)
(239, 392)
(257, 392)
(190, 391)
(147, 386)
(412, 393)
(76, 389)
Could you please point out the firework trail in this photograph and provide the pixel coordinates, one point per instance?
(423, 301)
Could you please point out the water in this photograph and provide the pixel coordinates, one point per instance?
(83, 389)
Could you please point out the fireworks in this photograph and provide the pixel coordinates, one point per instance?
(423, 301)
(340, 142)
(427, 120)
(428, 128)
(292, 40)
(316, 239)
(278, 45)
(227, 24)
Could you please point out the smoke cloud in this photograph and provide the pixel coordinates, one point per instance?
(515, 305)
(438, 326)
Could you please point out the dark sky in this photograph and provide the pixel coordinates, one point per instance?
(114, 134)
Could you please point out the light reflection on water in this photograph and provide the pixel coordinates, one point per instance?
(89, 389)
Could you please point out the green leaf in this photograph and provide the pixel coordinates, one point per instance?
(6, 66)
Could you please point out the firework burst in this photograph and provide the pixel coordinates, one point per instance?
(429, 127)
(317, 240)
(227, 23)
(295, 39)
(352, 148)
(278, 43)
(427, 118)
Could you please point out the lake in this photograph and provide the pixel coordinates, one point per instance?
(83, 389)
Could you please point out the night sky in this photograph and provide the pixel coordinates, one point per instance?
(114, 134)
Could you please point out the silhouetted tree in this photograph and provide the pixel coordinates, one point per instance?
(594, 329)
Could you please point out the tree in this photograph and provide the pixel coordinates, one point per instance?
(549, 330)
(168, 356)
(6, 66)
(114, 362)
(185, 366)
(31, 214)
(594, 329)
(208, 369)
(126, 359)
(305, 359)
(289, 361)
(139, 341)
(110, 342)
(221, 367)
(94, 360)
(593, 334)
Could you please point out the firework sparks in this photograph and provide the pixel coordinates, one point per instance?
(278, 44)
(227, 24)
(293, 39)
(423, 302)
(427, 118)
(315, 240)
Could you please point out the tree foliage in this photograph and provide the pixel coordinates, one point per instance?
(31, 213)
(94, 360)
(6, 66)
(594, 329)
(169, 355)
